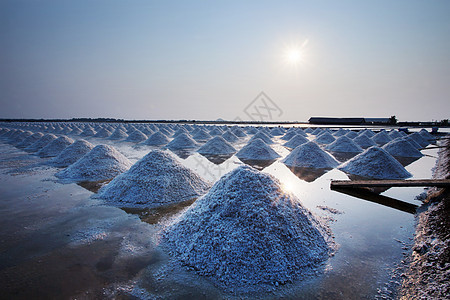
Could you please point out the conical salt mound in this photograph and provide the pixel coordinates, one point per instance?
(30, 140)
(24, 135)
(344, 145)
(216, 146)
(76, 131)
(248, 234)
(201, 136)
(375, 163)
(101, 163)
(419, 139)
(296, 141)
(426, 135)
(71, 154)
(289, 135)
(412, 141)
(230, 137)
(157, 179)
(118, 134)
(238, 132)
(257, 150)
(215, 131)
(277, 131)
(401, 148)
(310, 155)
(351, 134)
(393, 134)
(41, 143)
(88, 132)
(182, 141)
(381, 138)
(364, 141)
(136, 137)
(157, 139)
(263, 136)
(325, 138)
(55, 147)
(103, 133)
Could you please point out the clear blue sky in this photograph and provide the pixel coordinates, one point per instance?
(210, 59)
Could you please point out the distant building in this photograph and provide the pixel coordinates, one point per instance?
(349, 121)
(377, 120)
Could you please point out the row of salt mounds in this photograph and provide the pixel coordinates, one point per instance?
(257, 150)
(375, 163)
(41, 143)
(344, 145)
(296, 141)
(157, 179)
(248, 234)
(55, 147)
(181, 142)
(402, 148)
(216, 146)
(156, 139)
(101, 163)
(71, 154)
(309, 155)
(263, 136)
(30, 140)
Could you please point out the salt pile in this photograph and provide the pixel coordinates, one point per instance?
(296, 141)
(157, 139)
(263, 136)
(344, 145)
(381, 138)
(181, 130)
(215, 131)
(24, 135)
(239, 132)
(340, 132)
(426, 135)
(201, 136)
(136, 137)
(277, 131)
(364, 141)
(419, 139)
(393, 134)
(41, 143)
(101, 163)
(289, 135)
(89, 131)
(402, 148)
(157, 179)
(183, 141)
(375, 163)
(257, 150)
(412, 141)
(118, 134)
(351, 134)
(55, 147)
(103, 133)
(71, 154)
(247, 234)
(325, 138)
(216, 146)
(310, 155)
(229, 136)
(76, 131)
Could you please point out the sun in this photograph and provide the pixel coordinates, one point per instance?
(294, 56)
(294, 53)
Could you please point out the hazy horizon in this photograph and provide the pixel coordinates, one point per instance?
(199, 60)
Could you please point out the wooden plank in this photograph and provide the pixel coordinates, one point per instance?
(390, 183)
(366, 194)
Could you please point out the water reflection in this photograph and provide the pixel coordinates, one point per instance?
(93, 186)
(183, 154)
(343, 156)
(308, 174)
(217, 159)
(258, 164)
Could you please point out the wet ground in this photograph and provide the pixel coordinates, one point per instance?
(57, 242)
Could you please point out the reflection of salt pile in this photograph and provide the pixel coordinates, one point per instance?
(402, 148)
(325, 138)
(182, 141)
(55, 147)
(41, 143)
(136, 137)
(296, 141)
(101, 163)
(248, 234)
(71, 154)
(257, 150)
(157, 139)
(310, 155)
(375, 163)
(344, 145)
(364, 141)
(157, 179)
(216, 146)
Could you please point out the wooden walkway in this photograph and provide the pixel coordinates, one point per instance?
(390, 183)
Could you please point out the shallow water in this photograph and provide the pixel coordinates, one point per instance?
(58, 242)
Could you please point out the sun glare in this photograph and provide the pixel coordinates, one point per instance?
(294, 56)
(294, 53)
